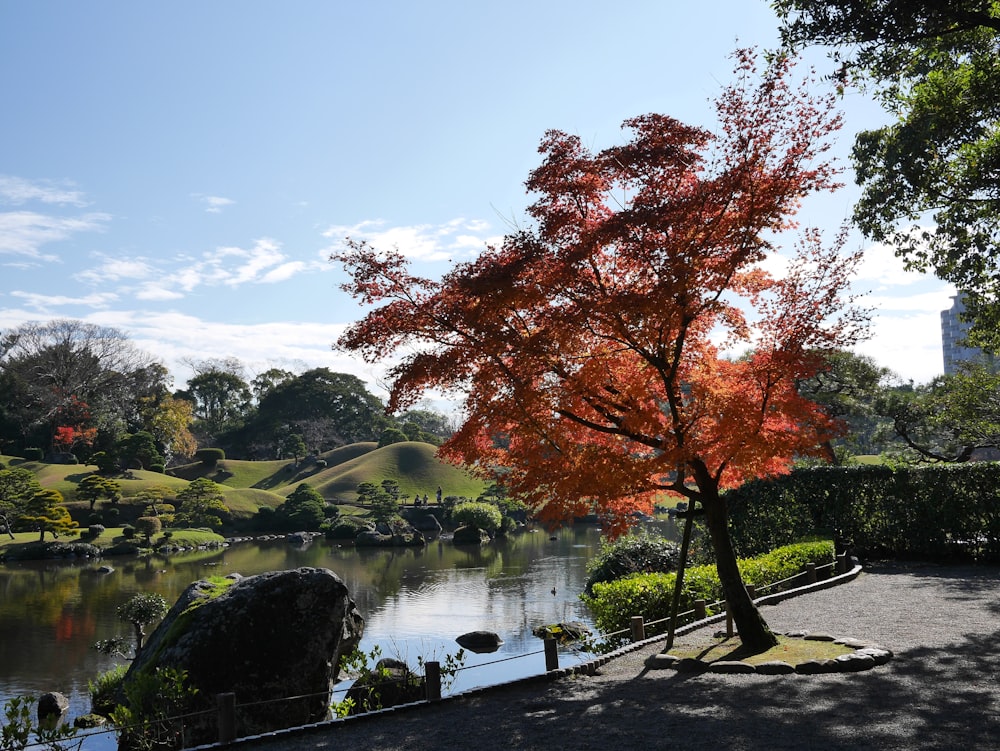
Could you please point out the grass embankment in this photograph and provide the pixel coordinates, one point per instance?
(249, 485)
(25, 542)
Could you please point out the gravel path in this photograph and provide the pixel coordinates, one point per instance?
(940, 691)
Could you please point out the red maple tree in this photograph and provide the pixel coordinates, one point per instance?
(591, 348)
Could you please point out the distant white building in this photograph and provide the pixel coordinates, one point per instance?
(953, 333)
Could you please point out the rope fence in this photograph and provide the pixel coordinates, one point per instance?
(227, 709)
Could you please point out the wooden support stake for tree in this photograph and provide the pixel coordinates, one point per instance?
(679, 579)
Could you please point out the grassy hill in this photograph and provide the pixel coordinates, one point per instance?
(249, 485)
(413, 465)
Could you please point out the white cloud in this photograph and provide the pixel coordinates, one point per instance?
(213, 204)
(174, 336)
(17, 190)
(156, 292)
(284, 272)
(115, 269)
(881, 269)
(46, 303)
(454, 239)
(25, 232)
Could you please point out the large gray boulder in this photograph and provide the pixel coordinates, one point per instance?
(264, 638)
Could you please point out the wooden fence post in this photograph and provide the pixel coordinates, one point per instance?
(638, 628)
(811, 573)
(551, 655)
(432, 680)
(226, 704)
(699, 610)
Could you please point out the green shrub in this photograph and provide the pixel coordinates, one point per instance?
(33, 454)
(104, 691)
(484, 516)
(128, 531)
(210, 456)
(614, 603)
(637, 552)
(935, 512)
(345, 528)
(160, 468)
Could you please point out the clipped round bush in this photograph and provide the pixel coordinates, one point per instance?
(484, 516)
(128, 531)
(346, 528)
(210, 456)
(33, 454)
(148, 526)
(95, 530)
(159, 468)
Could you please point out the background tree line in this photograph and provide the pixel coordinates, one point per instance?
(73, 391)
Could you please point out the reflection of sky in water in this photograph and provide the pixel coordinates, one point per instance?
(415, 601)
(434, 607)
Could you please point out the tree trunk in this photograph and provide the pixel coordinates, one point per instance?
(754, 631)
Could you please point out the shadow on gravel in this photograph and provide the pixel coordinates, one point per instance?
(928, 698)
(923, 699)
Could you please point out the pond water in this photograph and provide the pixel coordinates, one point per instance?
(415, 602)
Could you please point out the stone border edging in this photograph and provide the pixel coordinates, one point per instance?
(587, 668)
(864, 657)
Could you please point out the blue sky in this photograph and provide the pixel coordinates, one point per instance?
(182, 170)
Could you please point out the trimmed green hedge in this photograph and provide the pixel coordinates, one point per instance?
(937, 511)
(614, 603)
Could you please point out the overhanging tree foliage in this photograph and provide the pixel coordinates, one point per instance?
(589, 346)
(930, 178)
(954, 418)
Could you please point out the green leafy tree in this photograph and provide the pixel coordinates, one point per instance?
(139, 450)
(955, 418)
(847, 388)
(17, 487)
(202, 504)
(148, 526)
(45, 512)
(141, 610)
(366, 492)
(383, 498)
(429, 421)
(264, 383)
(328, 409)
(393, 435)
(294, 446)
(93, 488)
(221, 402)
(303, 509)
(935, 68)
